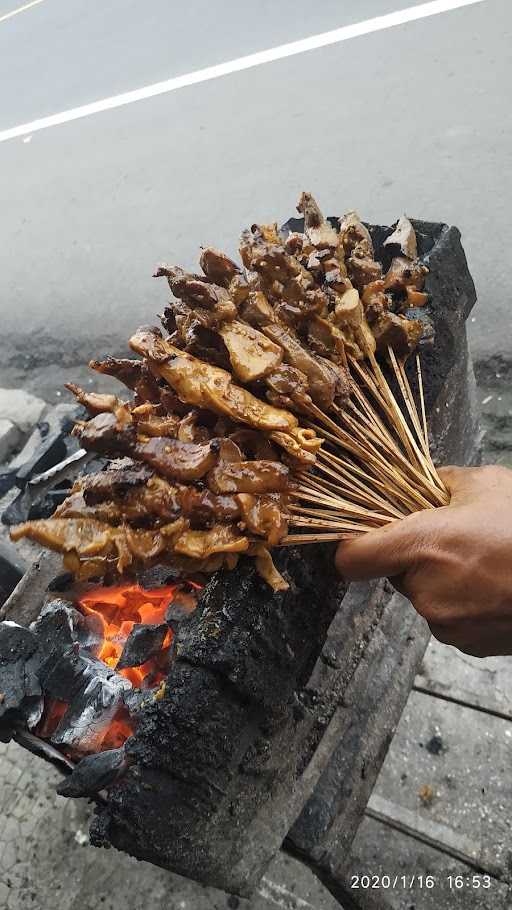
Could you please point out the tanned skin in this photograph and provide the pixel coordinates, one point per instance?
(454, 563)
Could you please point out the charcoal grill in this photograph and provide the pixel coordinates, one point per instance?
(279, 708)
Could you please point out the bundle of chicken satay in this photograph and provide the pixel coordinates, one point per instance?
(261, 416)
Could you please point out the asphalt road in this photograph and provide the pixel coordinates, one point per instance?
(415, 119)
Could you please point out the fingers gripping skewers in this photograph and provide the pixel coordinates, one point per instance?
(263, 418)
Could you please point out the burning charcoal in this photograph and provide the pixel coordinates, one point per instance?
(91, 634)
(94, 773)
(144, 641)
(20, 691)
(181, 607)
(93, 705)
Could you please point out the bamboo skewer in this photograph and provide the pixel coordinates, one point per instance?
(374, 467)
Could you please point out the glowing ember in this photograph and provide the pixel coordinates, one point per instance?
(119, 609)
(116, 610)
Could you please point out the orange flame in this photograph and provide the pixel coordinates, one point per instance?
(119, 609)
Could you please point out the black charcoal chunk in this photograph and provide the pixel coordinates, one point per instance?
(56, 626)
(144, 641)
(181, 608)
(20, 690)
(94, 773)
(61, 673)
(42, 749)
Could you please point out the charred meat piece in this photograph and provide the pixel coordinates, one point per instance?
(117, 480)
(94, 773)
(182, 461)
(198, 291)
(106, 435)
(204, 509)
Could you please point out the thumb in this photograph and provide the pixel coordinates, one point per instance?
(384, 551)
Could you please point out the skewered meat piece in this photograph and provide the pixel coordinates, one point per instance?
(204, 508)
(397, 332)
(121, 477)
(191, 430)
(350, 318)
(249, 477)
(206, 386)
(169, 457)
(202, 544)
(156, 425)
(95, 402)
(266, 568)
(375, 300)
(405, 280)
(264, 515)
(357, 244)
(403, 238)
(287, 387)
(106, 435)
(318, 231)
(183, 461)
(254, 444)
(218, 267)
(198, 291)
(256, 311)
(86, 540)
(324, 382)
(251, 353)
(132, 373)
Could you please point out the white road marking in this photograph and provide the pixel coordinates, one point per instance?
(325, 39)
(21, 9)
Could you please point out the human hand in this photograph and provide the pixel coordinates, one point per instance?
(453, 563)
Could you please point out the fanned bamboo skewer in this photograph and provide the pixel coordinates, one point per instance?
(375, 465)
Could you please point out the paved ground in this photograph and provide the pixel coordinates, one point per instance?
(410, 118)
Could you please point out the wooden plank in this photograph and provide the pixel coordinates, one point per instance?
(380, 851)
(482, 683)
(450, 766)
(358, 737)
